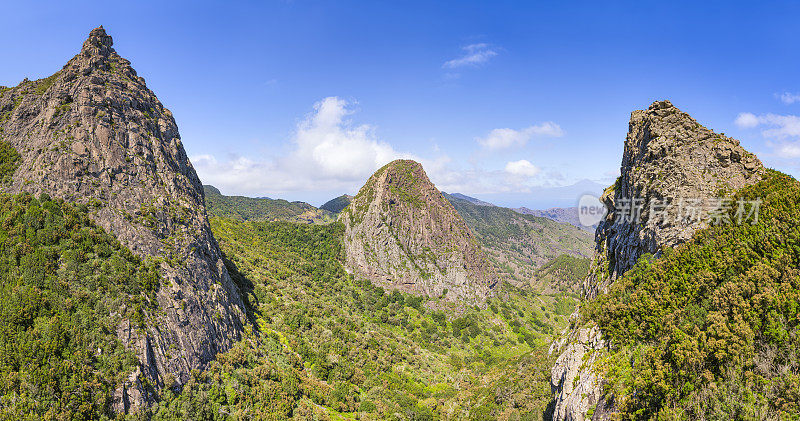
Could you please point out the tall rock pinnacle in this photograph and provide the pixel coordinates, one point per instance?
(669, 162)
(93, 133)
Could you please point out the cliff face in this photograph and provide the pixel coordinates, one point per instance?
(93, 133)
(674, 171)
(401, 233)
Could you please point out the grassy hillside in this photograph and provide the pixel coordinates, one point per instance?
(65, 285)
(327, 346)
(263, 209)
(519, 244)
(710, 330)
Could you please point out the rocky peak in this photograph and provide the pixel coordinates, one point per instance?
(669, 162)
(93, 133)
(401, 233)
(98, 43)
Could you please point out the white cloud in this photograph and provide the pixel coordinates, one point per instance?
(474, 55)
(789, 98)
(329, 152)
(776, 126)
(785, 129)
(522, 168)
(505, 138)
(746, 120)
(788, 150)
(335, 147)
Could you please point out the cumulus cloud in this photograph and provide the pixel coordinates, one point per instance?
(783, 129)
(328, 152)
(474, 55)
(505, 138)
(789, 98)
(522, 168)
(336, 148)
(746, 120)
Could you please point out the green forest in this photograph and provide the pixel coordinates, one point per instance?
(327, 346)
(710, 330)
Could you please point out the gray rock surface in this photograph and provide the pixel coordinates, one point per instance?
(668, 156)
(401, 233)
(93, 133)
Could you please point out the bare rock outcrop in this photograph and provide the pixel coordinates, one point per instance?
(674, 172)
(93, 133)
(401, 233)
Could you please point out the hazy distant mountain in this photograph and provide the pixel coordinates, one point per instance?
(546, 197)
(565, 215)
(518, 244)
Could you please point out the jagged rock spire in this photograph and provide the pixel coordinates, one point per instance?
(93, 133)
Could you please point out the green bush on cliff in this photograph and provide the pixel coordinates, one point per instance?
(710, 330)
(64, 286)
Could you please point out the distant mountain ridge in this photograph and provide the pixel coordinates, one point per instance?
(263, 209)
(337, 204)
(518, 244)
(565, 215)
(470, 199)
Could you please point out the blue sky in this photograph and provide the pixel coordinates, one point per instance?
(304, 99)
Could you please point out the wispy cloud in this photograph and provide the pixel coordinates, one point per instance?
(474, 55)
(788, 97)
(506, 138)
(783, 129)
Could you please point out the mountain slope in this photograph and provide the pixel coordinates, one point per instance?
(93, 133)
(262, 209)
(711, 330)
(338, 204)
(470, 199)
(401, 233)
(328, 345)
(518, 244)
(668, 159)
(565, 215)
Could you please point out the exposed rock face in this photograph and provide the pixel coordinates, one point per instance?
(668, 158)
(93, 133)
(401, 233)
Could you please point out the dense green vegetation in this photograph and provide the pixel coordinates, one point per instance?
(326, 345)
(517, 244)
(64, 286)
(262, 209)
(563, 273)
(710, 330)
(9, 159)
(337, 204)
